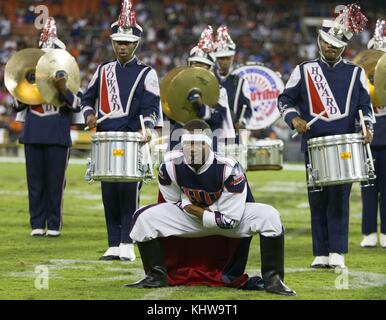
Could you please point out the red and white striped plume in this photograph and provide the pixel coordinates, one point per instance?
(127, 17)
(206, 43)
(48, 34)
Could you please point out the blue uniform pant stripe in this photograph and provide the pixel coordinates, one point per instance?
(375, 197)
(329, 219)
(45, 165)
(120, 200)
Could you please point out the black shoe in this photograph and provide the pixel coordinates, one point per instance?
(320, 266)
(254, 283)
(109, 258)
(275, 285)
(156, 278)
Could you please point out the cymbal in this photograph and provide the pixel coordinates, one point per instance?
(182, 81)
(53, 61)
(368, 59)
(164, 87)
(380, 81)
(21, 64)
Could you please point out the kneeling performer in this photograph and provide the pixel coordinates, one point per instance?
(205, 195)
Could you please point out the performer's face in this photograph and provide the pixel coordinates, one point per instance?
(330, 52)
(224, 63)
(124, 50)
(195, 152)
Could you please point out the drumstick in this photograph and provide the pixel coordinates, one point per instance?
(309, 124)
(149, 162)
(242, 113)
(362, 121)
(106, 116)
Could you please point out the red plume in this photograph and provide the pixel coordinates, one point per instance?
(206, 42)
(127, 17)
(355, 20)
(49, 31)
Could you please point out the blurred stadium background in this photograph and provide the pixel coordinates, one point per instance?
(265, 31)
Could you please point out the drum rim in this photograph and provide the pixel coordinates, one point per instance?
(117, 135)
(267, 143)
(339, 138)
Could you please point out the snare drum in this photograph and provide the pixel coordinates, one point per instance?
(159, 153)
(265, 155)
(236, 151)
(337, 159)
(118, 157)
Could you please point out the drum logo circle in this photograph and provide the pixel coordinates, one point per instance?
(262, 86)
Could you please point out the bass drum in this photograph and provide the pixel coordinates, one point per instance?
(262, 86)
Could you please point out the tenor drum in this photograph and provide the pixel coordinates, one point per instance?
(337, 159)
(265, 155)
(118, 157)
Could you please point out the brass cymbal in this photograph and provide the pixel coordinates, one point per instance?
(21, 64)
(182, 81)
(164, 87)
(53, 61)
(368, 59)
(380, 81)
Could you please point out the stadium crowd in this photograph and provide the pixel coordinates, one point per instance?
(265, 31)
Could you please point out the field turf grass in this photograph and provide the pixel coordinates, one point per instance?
(75, 272)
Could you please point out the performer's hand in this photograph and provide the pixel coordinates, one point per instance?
(60, 82)
(91, 121)
(368, 136)
(300, 125)
(194, 210)
(195, 98)
(148, 134)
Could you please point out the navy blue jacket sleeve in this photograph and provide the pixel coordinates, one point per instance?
(365, 101)
(288, 99)
(150, 107)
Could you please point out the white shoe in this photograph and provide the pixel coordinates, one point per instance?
(111, 253)
(336, 260)
(382, 240)
(37, 232)
(369, 241)
(126, 252)
(53, 233)
(320, 262)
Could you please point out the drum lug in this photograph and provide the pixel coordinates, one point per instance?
(313, 176)
(89, 171)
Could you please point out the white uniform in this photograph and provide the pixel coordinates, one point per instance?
(220, 185)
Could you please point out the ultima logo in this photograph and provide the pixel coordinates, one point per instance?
(262, 86)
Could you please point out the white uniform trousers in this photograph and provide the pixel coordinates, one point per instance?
(168, 219)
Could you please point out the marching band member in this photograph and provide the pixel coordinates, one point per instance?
(124, 88)
(225, 50)
(47, 141)
(206, 194)
(337, 87)
(376, 194)
(218, 118)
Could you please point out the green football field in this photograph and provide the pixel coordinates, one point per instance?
(74, 272)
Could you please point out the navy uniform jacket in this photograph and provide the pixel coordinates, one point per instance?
(341, 90)
(46, 124)
(219, 184)
(379, 127)
(127, 91)
(233, 84)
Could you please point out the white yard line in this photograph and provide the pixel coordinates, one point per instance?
(160, 294)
